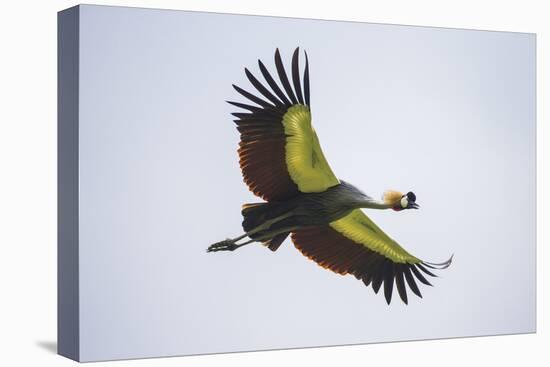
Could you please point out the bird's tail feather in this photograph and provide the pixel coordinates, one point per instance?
(274, 243)
(256, 214)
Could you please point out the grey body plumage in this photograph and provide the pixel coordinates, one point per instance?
(265, 221)
(324, 207)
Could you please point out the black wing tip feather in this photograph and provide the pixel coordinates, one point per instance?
(389, 276)
(241, 105)
(306, 81)
(439, 266)
(421, 267)
(410, 281)
(400, 275)
(400, 283)
(376, 283)
(283, 77)
(274, 86)
(296, 75)
(294, 91)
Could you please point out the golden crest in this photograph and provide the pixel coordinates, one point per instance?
(391, 197)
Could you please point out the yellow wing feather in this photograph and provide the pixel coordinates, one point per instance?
(305, 160)
(361, 229)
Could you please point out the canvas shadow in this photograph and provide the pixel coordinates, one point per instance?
(48, 345)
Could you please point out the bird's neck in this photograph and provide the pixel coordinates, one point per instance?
(371, 203)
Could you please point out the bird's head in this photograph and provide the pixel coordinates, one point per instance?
(400, 201)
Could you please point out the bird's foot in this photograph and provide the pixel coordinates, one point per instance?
(225, 245)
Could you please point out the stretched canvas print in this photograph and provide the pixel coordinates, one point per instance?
(236, 183)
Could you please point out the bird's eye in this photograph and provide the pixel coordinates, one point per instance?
(404, 202)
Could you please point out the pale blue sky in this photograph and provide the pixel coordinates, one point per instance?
(448, 114)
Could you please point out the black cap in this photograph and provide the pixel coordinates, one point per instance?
(411, 196)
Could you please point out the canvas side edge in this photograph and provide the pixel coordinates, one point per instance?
(68, 340)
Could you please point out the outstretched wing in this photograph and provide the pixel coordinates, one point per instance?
(279, 151)
(355, 245)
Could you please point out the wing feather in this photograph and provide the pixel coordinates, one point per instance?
(279, 152)
(296, 76)
(411, 282)
(306, 81)
(400, 283)
(419, 276)
(266, 105)
(282, 76)
(388, 280)
(355, 245)
(425, 270)
(273, 84)
(263, 90)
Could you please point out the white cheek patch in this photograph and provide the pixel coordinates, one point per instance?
(404, 202)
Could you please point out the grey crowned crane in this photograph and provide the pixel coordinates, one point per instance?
(282, 163)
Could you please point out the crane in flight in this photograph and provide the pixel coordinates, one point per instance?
(282, 162)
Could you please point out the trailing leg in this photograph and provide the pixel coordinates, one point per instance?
(259, 233)
(228, 244)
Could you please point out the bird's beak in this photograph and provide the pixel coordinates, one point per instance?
(415, 206)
